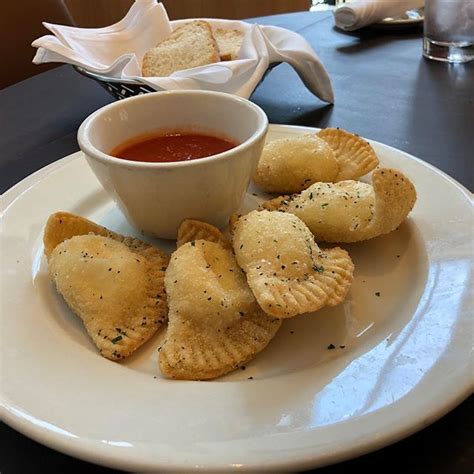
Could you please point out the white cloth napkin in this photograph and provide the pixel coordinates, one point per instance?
(117, 51)
(360, 13)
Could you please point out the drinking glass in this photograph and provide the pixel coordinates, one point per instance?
(449, 30)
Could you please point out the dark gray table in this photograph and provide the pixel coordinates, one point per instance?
(384, 90)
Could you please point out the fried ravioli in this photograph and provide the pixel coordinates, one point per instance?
(355, 156)
(191, 229)
(290, 165)
(115, 284)
(286, 270)
(215, 324)
(352, 211)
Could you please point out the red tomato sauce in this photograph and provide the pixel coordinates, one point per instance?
(172, 147)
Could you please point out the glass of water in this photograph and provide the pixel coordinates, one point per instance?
(449, 30)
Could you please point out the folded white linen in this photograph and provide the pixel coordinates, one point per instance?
(354, 15)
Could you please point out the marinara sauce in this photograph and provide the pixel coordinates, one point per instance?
(165, 148)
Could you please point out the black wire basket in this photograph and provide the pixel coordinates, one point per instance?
(123, 88)
(118, 88)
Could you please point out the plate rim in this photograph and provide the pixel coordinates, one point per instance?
(80, 447)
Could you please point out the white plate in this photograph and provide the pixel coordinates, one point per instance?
(409, 19)
(406, 360)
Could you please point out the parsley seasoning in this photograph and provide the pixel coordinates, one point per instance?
(325, 205)
(116, 339)
(318, 268)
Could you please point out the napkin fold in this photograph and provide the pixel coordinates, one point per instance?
(360, 13)
(117, 51)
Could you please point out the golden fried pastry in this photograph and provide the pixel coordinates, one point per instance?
(351, 211)
(215, 324)
(286, 270)
(191, 229)
(115, 284)
(289, 165)
(64, 225)
(354, 155)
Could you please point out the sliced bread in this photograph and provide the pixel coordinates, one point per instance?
(229, 43)
(190, 45)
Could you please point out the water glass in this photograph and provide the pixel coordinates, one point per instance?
(449, 30)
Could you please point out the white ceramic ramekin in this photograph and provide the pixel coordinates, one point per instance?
(157, 197)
